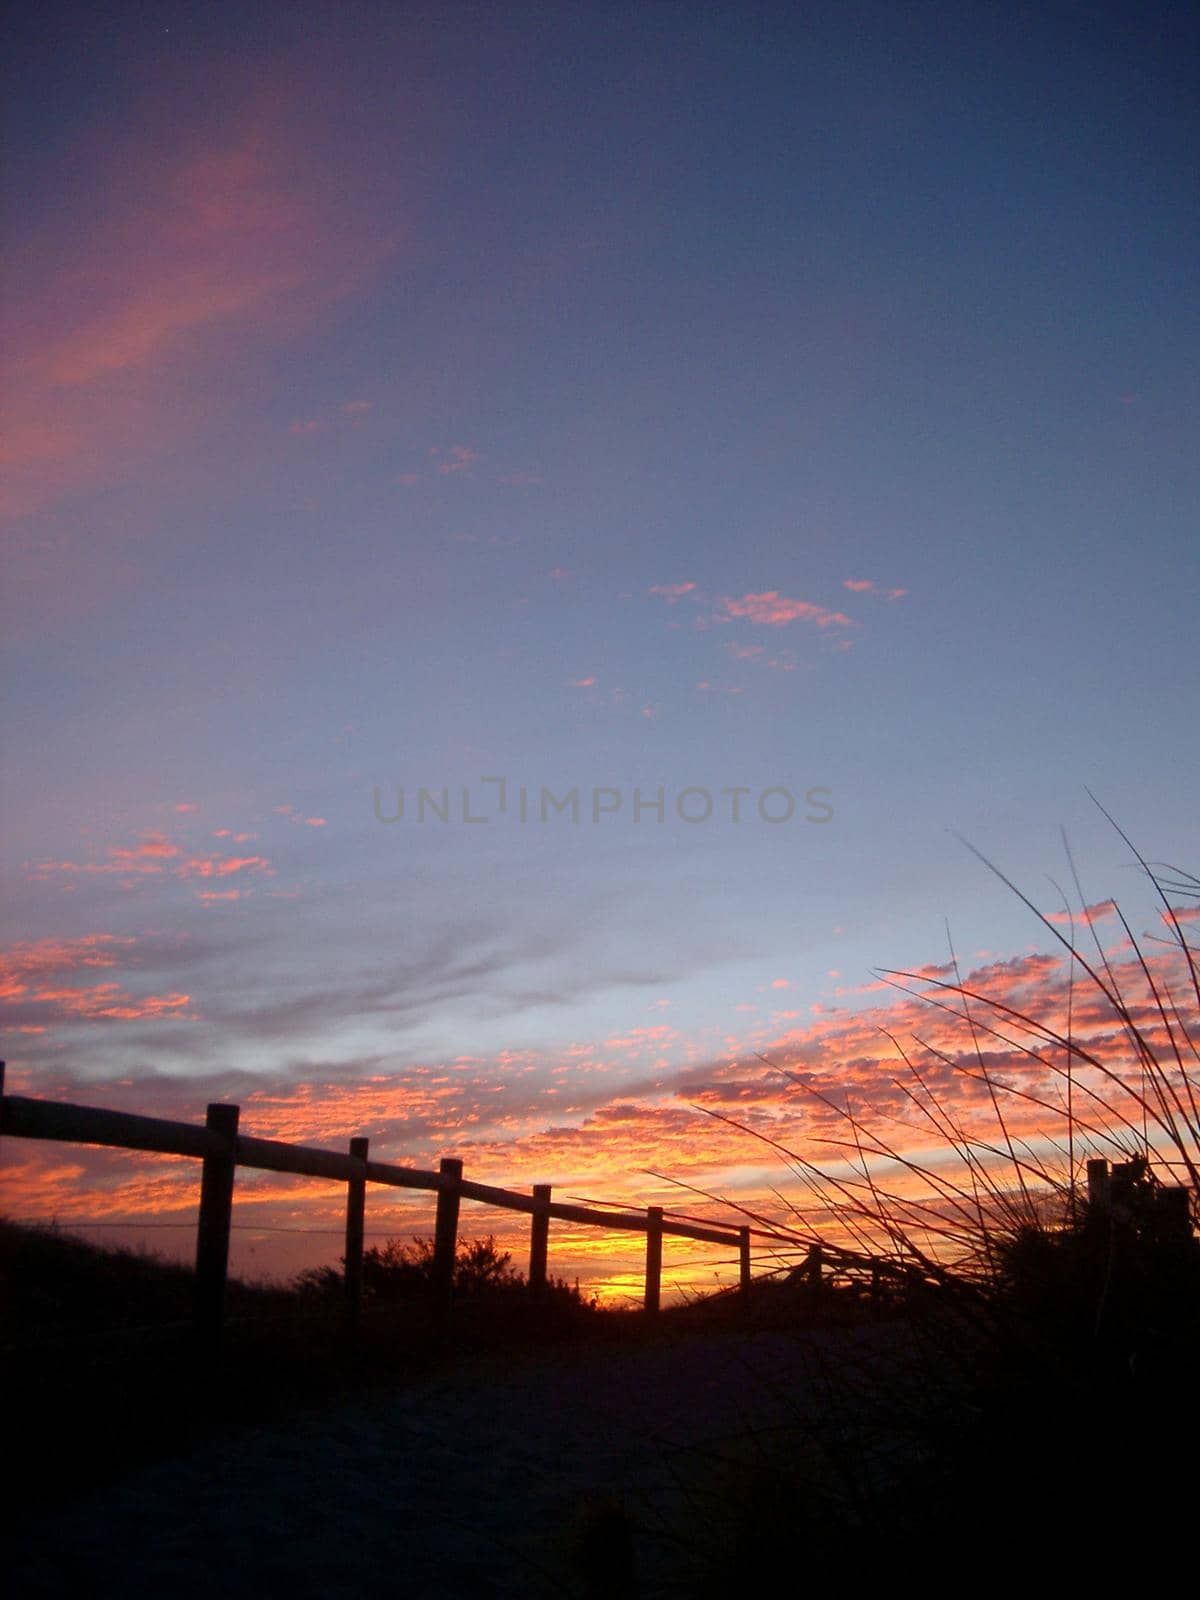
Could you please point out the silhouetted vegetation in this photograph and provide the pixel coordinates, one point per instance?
(396, 1271)
(110, 1375)
(1027, 1315)
(1051, 1283)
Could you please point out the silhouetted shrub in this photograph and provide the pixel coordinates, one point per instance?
(397, 1271)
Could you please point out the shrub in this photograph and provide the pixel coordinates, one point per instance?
(399, 1270)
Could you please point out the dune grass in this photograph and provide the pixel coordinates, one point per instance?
(1047, 1257)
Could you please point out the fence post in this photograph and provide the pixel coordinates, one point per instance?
(212, 1231)
(539, 1238)
(356, 1202)
(1099, 1186)
(744, 1267)
(812, 1272)
(654, 1238)
(445, 1237)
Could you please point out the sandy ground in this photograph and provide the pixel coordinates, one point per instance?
(481, 1482)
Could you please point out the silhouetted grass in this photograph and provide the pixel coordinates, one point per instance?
(1051, 1332)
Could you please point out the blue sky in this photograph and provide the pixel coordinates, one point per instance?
(384, 374)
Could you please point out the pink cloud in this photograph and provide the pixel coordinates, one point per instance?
(520, 1114)
(1089, 914)
(671, 592)
(154, 846)
(119, 330)
(145, 858)
(28, 962)
(32, 974)
(155, 855)
(583, 683)
(222, 866)
(459, 458)
(868, 586)
(771, 609)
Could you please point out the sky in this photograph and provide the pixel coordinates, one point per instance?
(720, 453)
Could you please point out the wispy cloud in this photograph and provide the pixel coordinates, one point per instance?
(229, 232)
(597, 1118)
(157, 858)
(458, 458)
(36, 991)
(221, 866)
(869, 586)
(774, 610)
(1089, 914)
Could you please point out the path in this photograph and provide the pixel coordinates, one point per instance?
(471, 1484)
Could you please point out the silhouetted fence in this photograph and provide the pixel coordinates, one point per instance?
(221, 1148)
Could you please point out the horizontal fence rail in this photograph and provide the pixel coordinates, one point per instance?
(221, 1148)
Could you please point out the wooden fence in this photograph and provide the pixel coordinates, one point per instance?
(221, 1148)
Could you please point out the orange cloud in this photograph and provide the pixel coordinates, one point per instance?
(108, 1000)
(25, 964)
(146, 857)
(154, 847)
(31, 975)
(155, 856)
(599, 1119)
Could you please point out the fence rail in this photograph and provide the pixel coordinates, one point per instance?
(221, 1148)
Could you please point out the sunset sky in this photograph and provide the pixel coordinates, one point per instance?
(790, 399)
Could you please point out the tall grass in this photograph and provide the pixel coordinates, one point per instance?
(1043, 1371)
(1109, 1071)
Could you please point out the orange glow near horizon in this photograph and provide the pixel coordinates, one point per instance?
(722, 1130)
